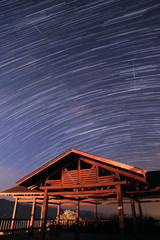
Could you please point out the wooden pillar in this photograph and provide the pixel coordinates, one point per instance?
(44, 214)
(95, 211)
(32, 216)
(140, 209)
(14, 214)
(77, 221)
(120, 212)
(140, 225)
(95, 214)
(134, 216)
(58, 213)
(41, 217)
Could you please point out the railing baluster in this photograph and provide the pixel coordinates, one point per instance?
(5, 224)
(3, 227)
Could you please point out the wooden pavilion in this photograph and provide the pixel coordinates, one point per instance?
(77, 177)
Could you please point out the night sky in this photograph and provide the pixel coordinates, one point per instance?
(82, 74)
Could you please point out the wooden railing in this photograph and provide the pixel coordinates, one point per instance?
(86, 176)
(8, 225)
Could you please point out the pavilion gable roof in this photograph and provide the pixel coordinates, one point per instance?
(69, 156)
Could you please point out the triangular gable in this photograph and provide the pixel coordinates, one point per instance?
(74, 154)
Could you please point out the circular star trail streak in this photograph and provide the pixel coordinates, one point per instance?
(82, 74)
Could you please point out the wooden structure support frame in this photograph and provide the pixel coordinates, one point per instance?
(77, 177)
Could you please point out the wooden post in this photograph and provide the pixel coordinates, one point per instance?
(140, 225)
(44, 214)
(140, 209)
(120, 212)
(77, 221)
(95, 211)
(95, 214)
(32, 216)
(134, 216)
(58, 213)
(41, 218)
(14, 214)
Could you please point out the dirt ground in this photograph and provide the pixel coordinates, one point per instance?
(71, 236)
(68, 235)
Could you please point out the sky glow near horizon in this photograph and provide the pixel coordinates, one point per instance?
(81, 74)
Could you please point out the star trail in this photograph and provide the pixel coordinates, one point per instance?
(82, 74)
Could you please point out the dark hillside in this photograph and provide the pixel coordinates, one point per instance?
(24, 210)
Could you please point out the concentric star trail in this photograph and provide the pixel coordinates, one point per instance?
(81, 74)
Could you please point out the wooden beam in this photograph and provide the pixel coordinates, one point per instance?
(144, 191)
(39, 202)
(89, 199)
(116, 170)
(149, 201)
(74, 203)
(44, 214)
(25, 201)
(29, 197)
(82, 193)
(71, 186)
(137, 196)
